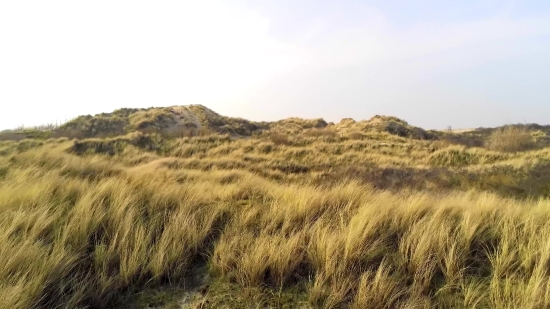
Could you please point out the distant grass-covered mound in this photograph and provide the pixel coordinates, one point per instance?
(190, 120)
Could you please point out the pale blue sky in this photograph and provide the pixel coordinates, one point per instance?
(432, 63)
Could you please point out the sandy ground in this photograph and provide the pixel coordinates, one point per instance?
(459, 130)
(187, 114)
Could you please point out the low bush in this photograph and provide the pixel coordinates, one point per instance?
(511, 139)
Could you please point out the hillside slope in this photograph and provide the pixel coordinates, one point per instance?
(299, 214)
(190, 120)
(184, 120)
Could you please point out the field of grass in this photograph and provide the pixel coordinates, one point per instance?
(300, 215)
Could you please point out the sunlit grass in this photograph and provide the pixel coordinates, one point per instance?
(321, 219)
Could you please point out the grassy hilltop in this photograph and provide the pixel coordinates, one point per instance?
(181, 207)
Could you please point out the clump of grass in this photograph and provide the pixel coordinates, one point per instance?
(112, 146)
(356, 135)
(321, 133)
(93, 126)
(279, 138)
(152, 118)
(511, 139)
(462, 156)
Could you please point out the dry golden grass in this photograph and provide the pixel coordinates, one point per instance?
(511, 138)
(317, 220)
(279, 138)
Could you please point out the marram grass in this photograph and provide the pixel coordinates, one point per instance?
(318, 221)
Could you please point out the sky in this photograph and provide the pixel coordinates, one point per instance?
(433, 63)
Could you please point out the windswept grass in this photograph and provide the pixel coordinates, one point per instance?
(98, 239)
(325, 218)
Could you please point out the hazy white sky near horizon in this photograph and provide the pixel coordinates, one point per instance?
(433, 63)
